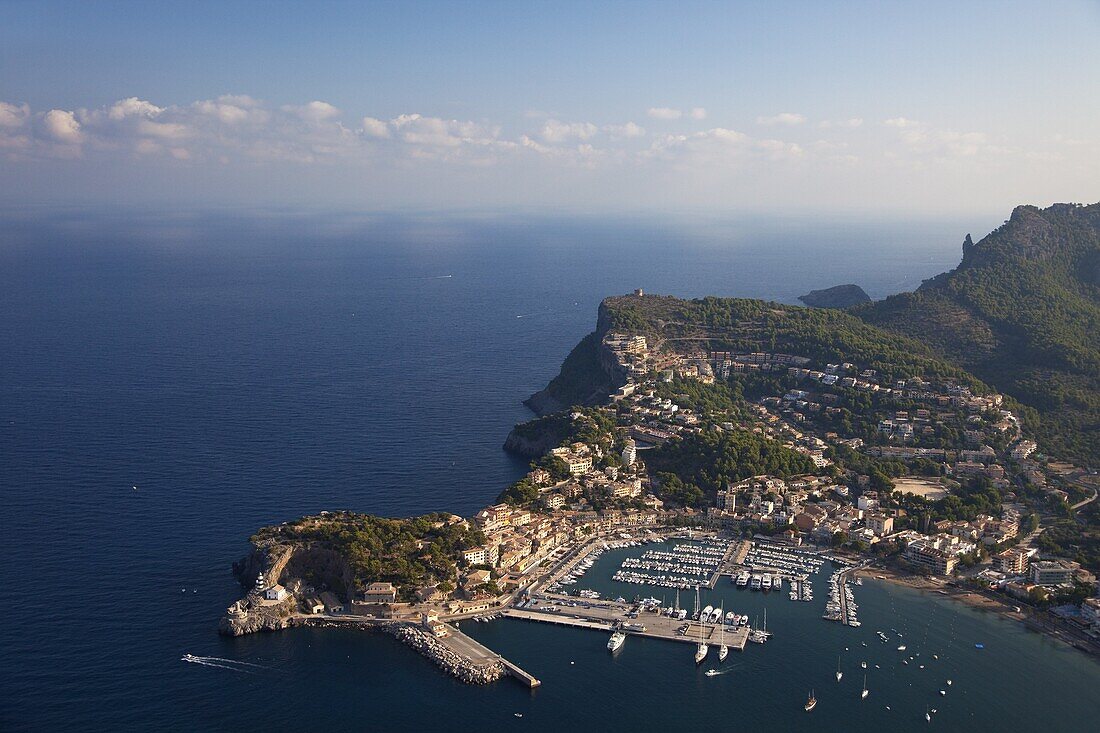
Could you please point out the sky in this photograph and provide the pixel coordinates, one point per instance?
(858, 107)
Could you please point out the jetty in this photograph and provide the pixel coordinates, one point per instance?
(652, 626)
(480, 656)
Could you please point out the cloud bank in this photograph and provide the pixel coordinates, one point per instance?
(795, 152)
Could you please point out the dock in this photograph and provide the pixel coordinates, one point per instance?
(656, 625)
(478, 654)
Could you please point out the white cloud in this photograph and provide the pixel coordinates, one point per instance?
(900, 122)
(849, 124)
(783, 118)
(554, 131)
(62, 127)
(315, 111)
(664, 113)
(698, 113)
(627, 131)
(12, 115)
(373, 127)
(133, 107)
(164, 130)
(231, 110)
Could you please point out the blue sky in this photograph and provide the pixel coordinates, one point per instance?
(886, 106)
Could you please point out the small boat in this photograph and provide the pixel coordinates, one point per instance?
(943, 692)
(927, 716)
(901, 648)
(979, 646)
(863, 664)
(712, 673)
(615, 643)
(863, 694)
(839, 674)
(518, 715)
(949, 683)
(935, 656)
(811, 703)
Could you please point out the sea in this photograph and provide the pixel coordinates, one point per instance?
(172, 381)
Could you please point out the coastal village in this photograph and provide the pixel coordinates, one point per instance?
(876, 453)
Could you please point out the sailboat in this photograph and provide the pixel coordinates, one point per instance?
(811, 703)
(839, 674)
(864, 693)
(723, 650)
(702, 649)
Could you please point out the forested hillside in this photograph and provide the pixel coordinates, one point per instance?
(1022, 312)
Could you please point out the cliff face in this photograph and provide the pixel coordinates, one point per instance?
(582, 380)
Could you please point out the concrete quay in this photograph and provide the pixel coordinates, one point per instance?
(479, 655)
(606, 619)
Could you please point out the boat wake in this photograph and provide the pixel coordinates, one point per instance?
(234, 665)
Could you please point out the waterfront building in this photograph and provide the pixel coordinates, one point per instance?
(1090, 612)
(923, 554)
(332, 603)
(275, 593)
(380, 593)
(1013, 561)
(1053, 572)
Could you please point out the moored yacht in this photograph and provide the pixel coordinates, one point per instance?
(743, 579)
(723, 650)
(616, 641)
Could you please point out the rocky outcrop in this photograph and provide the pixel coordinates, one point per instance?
(529, 447)
(239, 621)
(839, 296)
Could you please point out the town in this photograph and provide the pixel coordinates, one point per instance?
(919, 477)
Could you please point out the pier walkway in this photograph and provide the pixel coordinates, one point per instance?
(656, 626)
(481, 655)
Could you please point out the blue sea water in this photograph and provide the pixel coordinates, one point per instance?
(171, 382)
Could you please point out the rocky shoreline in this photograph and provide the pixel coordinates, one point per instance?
(267, 619)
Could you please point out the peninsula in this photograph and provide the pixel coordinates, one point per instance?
(766, 431)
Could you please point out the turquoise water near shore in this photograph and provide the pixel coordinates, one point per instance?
(245, 371)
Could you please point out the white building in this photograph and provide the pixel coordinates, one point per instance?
(630, 453)
(1053, 572)
(275, 593)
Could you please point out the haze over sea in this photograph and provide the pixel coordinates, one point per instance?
(170, 383)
